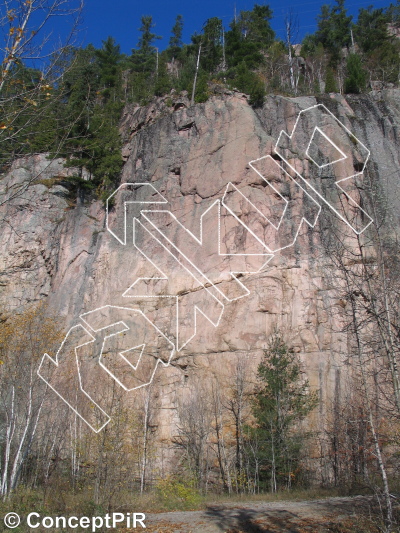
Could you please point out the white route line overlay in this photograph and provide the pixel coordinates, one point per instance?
(126, 328)
(199, 240)
(344, 156)
(251, 163)
(162, 200)
(165, 277)
(46, 357)
(276, 149)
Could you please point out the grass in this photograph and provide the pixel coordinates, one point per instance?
(171, 495)
(179, 498)
(49, 182)
(166, 497)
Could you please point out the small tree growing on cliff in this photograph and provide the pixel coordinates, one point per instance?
(281, 401)
(330, 82)
(356, 75)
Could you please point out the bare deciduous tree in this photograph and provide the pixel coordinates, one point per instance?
(194, 434)
(23, 339)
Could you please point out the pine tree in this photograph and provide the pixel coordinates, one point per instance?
(175, 41)
(282, 400)
(93, 142)
(356, 75)
(330, 82)
(211, 56)
(250, 83)
(163, 84)
(144, 57)
(341, 25)
(250, 35)
(394, 14)
(334, 29)
(108, 59)
(370, 31)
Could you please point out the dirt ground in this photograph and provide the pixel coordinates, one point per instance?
(322, 516)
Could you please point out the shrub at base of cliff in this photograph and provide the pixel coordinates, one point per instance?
(173, 494)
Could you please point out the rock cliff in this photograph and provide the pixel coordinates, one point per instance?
(260, 217)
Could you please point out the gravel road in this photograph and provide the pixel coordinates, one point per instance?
(322, 516)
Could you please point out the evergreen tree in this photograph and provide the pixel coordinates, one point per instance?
(255, 25)
(384, 62)
(249, 36)
(211, 56)
(108, 59)
(334, 29)
(324, 32)
(174, 51)
(341, 25)
(175, 41)
(250, 83)
(330, 82)
(202, 92)
(80, 86)
(163, 84)
(93, 142)
(281, 401)
(356, 75)
(144, 58)
(393, 12)
(370, 31)
(309, 45)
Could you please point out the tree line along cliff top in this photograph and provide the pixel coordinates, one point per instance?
(74, 110)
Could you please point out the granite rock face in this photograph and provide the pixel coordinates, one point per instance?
(194, 162)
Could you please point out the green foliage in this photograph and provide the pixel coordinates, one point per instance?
(44, 134)
(377, 48)
(92, 106)
(250, 83)
(385, 62)
(254, 25)
(175, 42)
(356, 76)
(330, 82)
(370, 31)
(99, 151)
(108, 59)
(282, 400)
(143, 58)
(27, 119)
(334, 29)
(249, 37)
(163, 83)
(202, 93)
(309, 45)
(77, 116)
(175, 494)
(394, 13)
(177, 31)
(211, 40)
